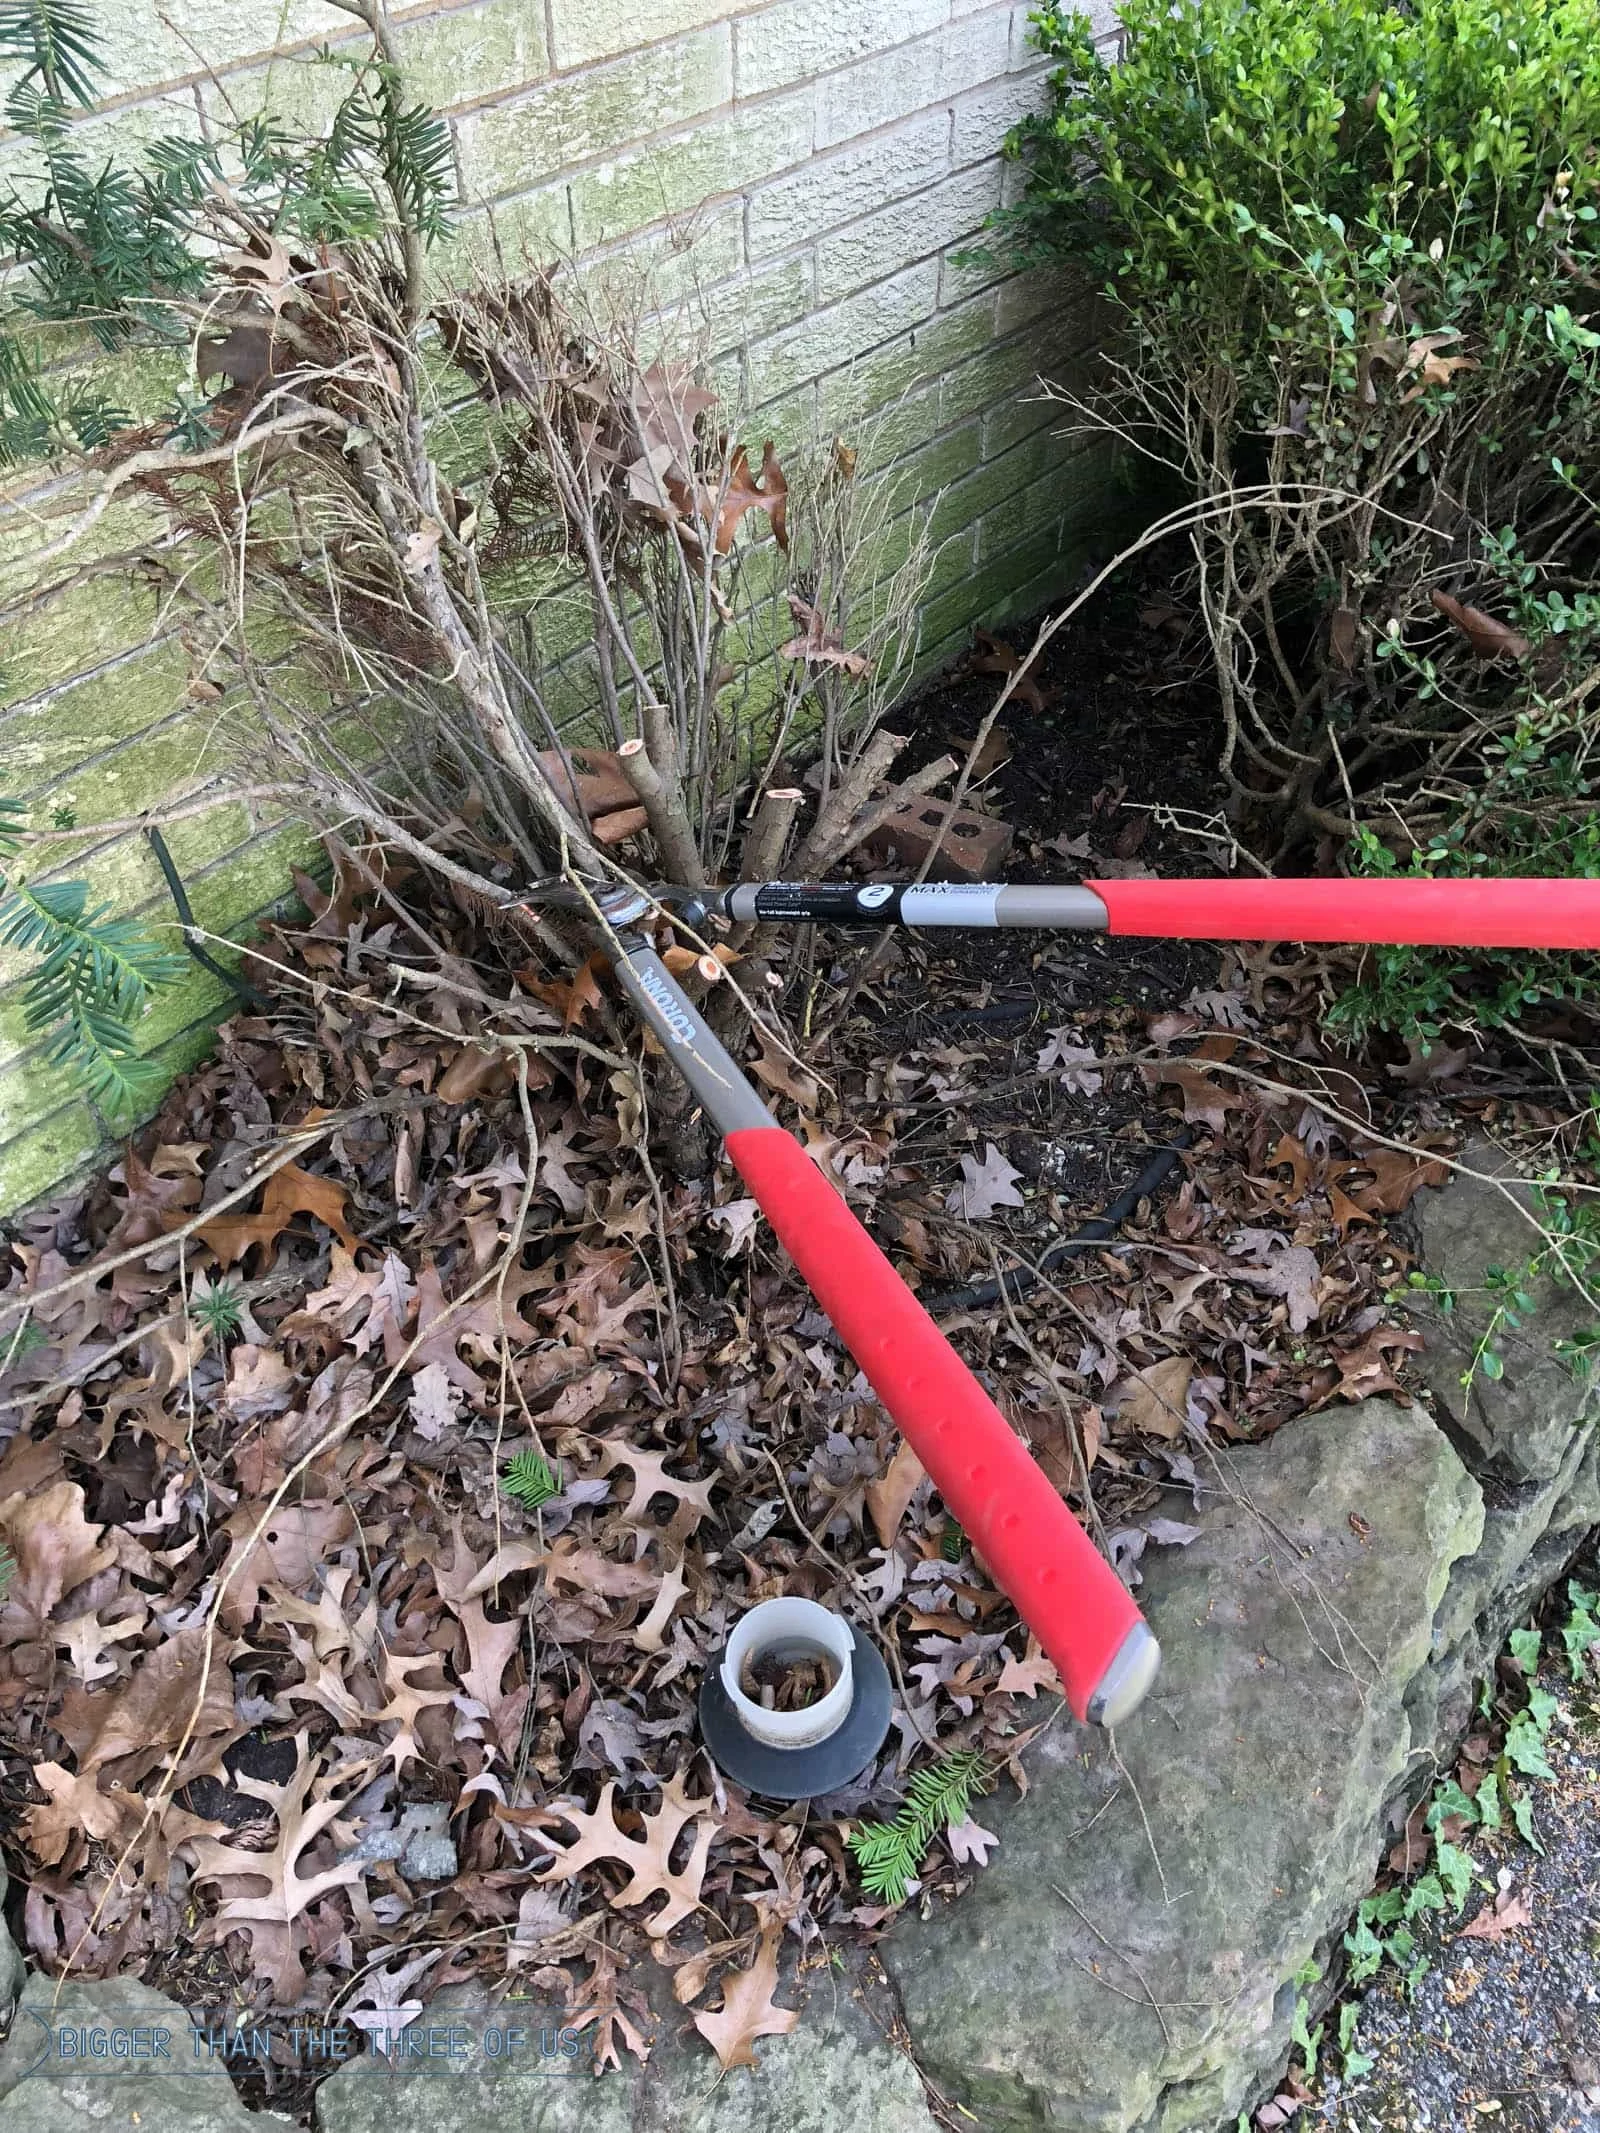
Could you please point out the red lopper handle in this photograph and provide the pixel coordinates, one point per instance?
(1443, 914)
(1036, 1551)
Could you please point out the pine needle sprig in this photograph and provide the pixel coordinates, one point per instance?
(889, 1855)
(530, 1480)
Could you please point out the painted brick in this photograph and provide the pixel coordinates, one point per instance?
(760, 302)
(676, 175)
(983, 120)
(829, 339)
(144, 46)
(452, 56)
(799, 39)
(879, 245)
(577, 117)
(682, 259)
(929, 72)
(831, 190)
(530, 230)
(585, 30)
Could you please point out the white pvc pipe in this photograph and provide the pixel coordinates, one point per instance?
(787, 1630)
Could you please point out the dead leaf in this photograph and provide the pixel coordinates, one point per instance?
(1079, 1064)
(76, 1806)
(748, 2010)
(738, 1220)
(1365, 1370)
(422, 548)
(1290, 1271)
(164, 1693)
(295, 1542)
(818, 646)
(992, 655)
(472, 1073)
(1510, 1912)
(1489, 638)
(1156, 1399)
(1029, 1674)
(288, 1192)
(434, 1404)
(53, 1545)
(970, 1843)
(574, 997)
(769, 493)
(1203, 1102)
(288, 1893)
(648, 1858)
(887, 1497)
(984, 1186)
(1397, 1177)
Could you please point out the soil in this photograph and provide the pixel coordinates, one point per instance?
(1113, 763)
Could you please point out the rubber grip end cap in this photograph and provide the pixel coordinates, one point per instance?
(1127, 1680)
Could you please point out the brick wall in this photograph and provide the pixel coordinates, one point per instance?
(829, 156)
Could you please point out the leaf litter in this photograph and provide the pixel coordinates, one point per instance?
(291, 1539)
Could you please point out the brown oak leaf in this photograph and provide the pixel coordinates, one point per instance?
(1155, 1401)
(288, 1192)
(76, 1805)
(818, 646)
(1510, 1911)
(648, 1858)
(887, 1497)
(748, 2010)
(53, 1545)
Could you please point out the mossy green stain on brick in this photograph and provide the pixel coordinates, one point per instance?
(586, 30)
(676, 175)
(50, 736)
(577, 117)
(48, 1153)
(985, 595)
(85, 628)
(140, 773)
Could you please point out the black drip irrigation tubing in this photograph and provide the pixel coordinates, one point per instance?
(244, 992)
(1095, 1231)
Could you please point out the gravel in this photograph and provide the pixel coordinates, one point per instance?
(1499, 2034)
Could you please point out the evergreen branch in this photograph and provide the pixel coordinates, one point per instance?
(60, 43)
(890, 1854)
(530, 1480)
(94, 980)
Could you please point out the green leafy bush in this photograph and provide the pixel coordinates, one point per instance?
(1351, 253)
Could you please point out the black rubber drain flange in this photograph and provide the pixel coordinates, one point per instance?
(800, 1773)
